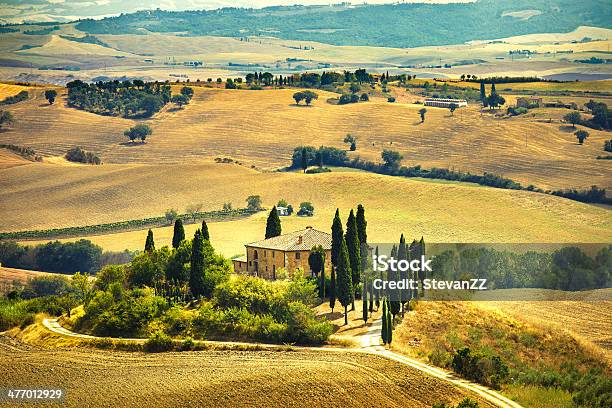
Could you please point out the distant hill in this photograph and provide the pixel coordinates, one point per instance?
(392, 25)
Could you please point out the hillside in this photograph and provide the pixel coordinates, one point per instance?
(441, 211)
(10, 276)
(405, 25)
(263, 127)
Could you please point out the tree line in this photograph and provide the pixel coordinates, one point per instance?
(305, 156)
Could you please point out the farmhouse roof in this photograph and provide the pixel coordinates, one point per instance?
(302, 240)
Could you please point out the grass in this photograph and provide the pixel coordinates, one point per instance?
(439, 212)
(434, 331)
(267, 126)
(541, 397)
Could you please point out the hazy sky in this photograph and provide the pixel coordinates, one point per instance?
(40, 10)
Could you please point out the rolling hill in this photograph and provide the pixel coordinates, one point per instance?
(405, 25)
(440, 211)
(263, 127)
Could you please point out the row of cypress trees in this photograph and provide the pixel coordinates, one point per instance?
(199, 243)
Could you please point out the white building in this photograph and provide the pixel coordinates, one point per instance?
(445, 103)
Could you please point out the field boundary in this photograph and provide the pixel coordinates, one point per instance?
(370, 344)
(123, 226)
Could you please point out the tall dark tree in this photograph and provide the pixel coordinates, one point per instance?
(361, 225)
(354, 250)
(332, 290)
(273, 225)
(179, 233)
(377, 291)
(393, 275)
(344, 280)
(422, 273)
(383, 331)
(50, 95)
(364, 306)
(150, 244)
(196, 273)
(483, 92)
(316, 261)
(389, 326)
(337, 237)
(402, 254)
(205, 233)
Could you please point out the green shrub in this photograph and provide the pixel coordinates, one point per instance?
(483, 368)
(158, 342)
(187, 344)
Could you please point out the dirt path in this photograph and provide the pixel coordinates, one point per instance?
(369, 343)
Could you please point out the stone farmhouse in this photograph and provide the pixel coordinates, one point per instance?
(289, 251)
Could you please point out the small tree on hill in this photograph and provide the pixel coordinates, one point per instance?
(150, 243)
(310, 96)
(391, 159)
(179, 233)
(50, 95)
(180, 100)
(187, 91)
(573, 118)
(581, 135)
(273, 224)
(422, 113)
(170, 215)
(193, 210)
(298, 97)
(452, 107)
(304, 159)
(253, 203)
(6, 118)
(140, 131)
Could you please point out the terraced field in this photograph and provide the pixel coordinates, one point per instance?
(222, 378)
(263, 127)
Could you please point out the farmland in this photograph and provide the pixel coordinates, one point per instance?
(267, 126)
(214, 378)
(10, 276)
(441, 212)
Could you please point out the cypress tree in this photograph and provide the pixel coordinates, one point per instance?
(402, 253)
(383, 331)
(205, 233)
(150, 244)
(393, 275)
(361, 225)
(273, 225)
(196, 275)
(337, 238)
(493, 91)
(345, 284)
(352, 243)
(389, 328)
(483, 92)
(365, 302)
(332, 290)
(179, 233)
(377, 291)
(422, 273)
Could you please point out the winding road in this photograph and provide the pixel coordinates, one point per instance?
(369, 342)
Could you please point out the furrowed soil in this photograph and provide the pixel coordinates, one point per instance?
(221, 378)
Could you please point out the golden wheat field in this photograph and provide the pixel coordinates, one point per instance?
(439, 211)
(222, 378)
(586, 315)
(263, 127)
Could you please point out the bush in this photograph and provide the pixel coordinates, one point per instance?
(318, 170)
(158, 342)
(480, 367)
(47, 285)
(391, 99)
(21, 96)
(78, 155)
